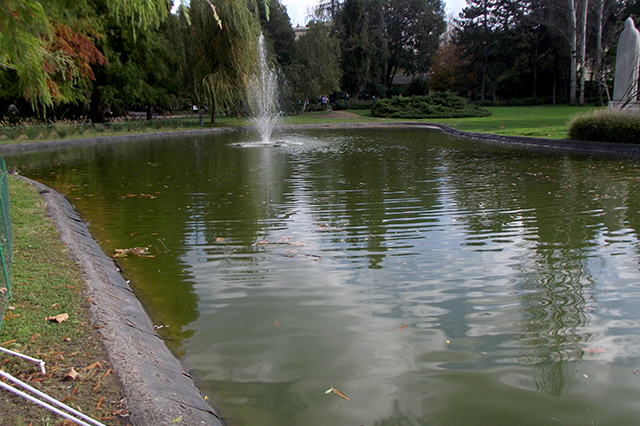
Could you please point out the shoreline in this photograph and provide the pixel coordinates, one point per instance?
(158, 389)
(583, 147)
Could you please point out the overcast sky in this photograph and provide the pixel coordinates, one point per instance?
(297, 9)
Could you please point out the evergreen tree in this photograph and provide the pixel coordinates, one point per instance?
(355, 46)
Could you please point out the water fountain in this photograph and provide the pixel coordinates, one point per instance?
(263, 95)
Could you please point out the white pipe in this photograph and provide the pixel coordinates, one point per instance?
(47, 398)
(27, 357)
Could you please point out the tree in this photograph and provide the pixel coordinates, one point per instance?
(278, 32)
(315, 68)
(146, 69)
(47, 48)
(355, 46)
(488, 33)
(223, 53)
(412, 30)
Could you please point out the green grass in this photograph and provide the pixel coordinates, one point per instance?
(544, 121)
(46, 282)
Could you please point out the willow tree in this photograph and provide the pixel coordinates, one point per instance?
(315, 69)
(223, 51)
(46, 47)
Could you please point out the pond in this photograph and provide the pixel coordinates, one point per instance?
(431, 280)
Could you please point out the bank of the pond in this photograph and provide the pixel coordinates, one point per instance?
(157, 388)
(627, 150)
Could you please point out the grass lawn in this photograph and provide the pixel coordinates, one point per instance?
(545, 121)
(46, 283)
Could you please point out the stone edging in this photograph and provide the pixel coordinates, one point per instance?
(158, 390)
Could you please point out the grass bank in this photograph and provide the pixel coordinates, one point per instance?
(543, 121)
(46, 283)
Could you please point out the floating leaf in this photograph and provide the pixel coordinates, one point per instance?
(138, 251)
(403, 326)
(277, 324)
(594, 350)
(337, 392)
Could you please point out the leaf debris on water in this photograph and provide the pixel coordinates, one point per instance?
(594, 350)
(337, 392)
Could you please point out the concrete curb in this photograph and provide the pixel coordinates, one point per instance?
(158, 390)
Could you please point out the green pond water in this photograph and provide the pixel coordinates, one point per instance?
(433, 280)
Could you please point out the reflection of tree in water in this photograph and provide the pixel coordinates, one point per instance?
(555, 276)
(562, 209)
(553, 310)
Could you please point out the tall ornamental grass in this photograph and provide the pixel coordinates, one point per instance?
(605, 126)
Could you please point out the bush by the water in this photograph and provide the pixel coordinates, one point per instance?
(436, 105)
(606, 126)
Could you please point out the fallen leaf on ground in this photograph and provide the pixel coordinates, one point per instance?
(72, 374)
(94, 365)
(58, 318)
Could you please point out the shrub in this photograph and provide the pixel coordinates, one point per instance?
(315, 107)
(606, 126)
(436, 105)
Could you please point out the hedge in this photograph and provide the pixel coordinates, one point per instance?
(436, 105)
(606, 126)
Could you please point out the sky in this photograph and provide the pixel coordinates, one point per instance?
(297, 9)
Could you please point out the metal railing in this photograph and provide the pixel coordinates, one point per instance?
(6, 241)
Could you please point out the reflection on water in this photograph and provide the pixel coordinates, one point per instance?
(434, 281)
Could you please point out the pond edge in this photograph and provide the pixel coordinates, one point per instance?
(157, 388)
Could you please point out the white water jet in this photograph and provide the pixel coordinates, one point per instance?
(263, 95)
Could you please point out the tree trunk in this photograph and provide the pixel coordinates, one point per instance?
(485, 65)
(583, 49)
(535, 71)
(213, 112)
(149, 112)
(599, 30)
(573, 41)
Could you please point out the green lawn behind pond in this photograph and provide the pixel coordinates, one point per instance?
(545, 121)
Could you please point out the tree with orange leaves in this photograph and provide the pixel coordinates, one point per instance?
(47, 49)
